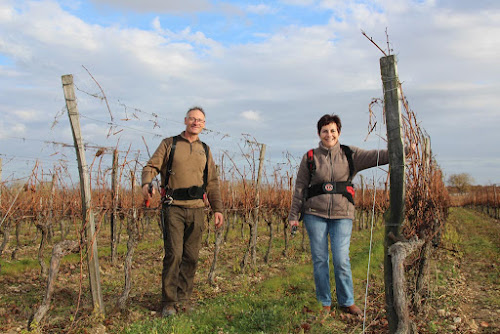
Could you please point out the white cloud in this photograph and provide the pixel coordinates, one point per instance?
(251, 115)
(293, 74)
(27, 114)
(163, 6)
(261, 9)
(299, 2)
(11, 129)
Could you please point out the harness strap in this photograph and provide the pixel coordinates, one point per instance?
(171, 159)
(348, 153)
(345, 188)
(205, 172)
(193, 192)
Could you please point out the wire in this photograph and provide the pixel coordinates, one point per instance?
(371, 234)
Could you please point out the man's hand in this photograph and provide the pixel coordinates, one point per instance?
(145, 191)
(218, 220)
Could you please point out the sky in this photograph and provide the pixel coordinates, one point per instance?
(263, 72)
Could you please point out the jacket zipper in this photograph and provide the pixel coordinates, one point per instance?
(330, 202)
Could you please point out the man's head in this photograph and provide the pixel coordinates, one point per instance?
(195, 121)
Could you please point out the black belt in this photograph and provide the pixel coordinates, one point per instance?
(185, 194)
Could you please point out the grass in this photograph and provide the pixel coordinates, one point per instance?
(285, 303)
(274, 298)
(275, 306)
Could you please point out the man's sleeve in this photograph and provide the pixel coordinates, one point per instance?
(155, 164)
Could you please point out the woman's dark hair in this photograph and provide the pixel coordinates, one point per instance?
(327, 119)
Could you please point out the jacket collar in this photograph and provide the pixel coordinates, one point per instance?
(185, 139)
(325, 150)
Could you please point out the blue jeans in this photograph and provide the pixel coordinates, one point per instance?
(339, 230)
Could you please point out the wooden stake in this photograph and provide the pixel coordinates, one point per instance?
(87, 214)
(395, 215)
(114, 192)
(257, 204)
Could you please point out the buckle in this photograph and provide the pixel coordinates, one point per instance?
(329, 187)
(167, 199)
(193, 192)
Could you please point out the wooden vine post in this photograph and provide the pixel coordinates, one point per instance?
(114, 209)
(257, 204)
(0, 182)
(87, 214)
(394, 218)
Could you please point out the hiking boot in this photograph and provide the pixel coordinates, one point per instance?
(168, 311)
(353, 309)
(186, 307)
(326, 310)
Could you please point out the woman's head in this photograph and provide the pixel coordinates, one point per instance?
(329, 127)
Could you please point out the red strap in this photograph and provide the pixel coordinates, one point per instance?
(310, 161)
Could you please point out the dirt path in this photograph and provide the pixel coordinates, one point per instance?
(472, 274)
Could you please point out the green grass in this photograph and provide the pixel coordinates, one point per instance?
(282, 303)
(277, 305)
(18, 267)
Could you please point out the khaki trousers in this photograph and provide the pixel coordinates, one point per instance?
(182, 233)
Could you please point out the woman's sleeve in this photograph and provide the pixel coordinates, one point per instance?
(364, 159)
(301, 184)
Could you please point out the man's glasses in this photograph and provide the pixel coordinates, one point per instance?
(194, 119)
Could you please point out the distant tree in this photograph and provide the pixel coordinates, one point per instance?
(461, 182)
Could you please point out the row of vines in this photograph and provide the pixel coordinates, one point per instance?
(49, 201)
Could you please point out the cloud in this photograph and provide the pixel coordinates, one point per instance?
(251, 115)
(26, 114)
(164, 6)
(11, 129)
(261, 9)
(292, 74)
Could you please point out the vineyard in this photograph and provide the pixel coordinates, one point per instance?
(48, 244)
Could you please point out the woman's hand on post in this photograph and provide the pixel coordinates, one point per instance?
(218, 220)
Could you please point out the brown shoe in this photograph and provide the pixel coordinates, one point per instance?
(186, 307)
(353, 309)
(326, 310)
(168, 311)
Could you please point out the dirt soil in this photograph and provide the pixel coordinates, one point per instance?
(467, 298)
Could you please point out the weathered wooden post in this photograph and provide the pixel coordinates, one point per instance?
(395, 215)
(496, 216)
(257, 204)
(87, 214)
(133, 237)
(50, 213)
(114, 203)
(0, 182)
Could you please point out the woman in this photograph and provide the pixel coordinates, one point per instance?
(324, 194)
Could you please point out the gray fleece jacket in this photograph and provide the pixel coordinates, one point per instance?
(331, 166)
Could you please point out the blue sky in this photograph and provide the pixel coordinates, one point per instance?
(267, 69)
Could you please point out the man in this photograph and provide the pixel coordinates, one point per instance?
(188, 174)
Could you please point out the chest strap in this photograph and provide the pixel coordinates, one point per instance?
(183, 194)
(345, 188)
